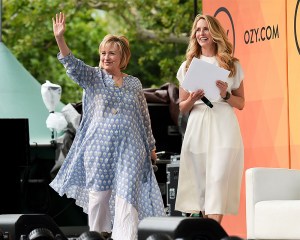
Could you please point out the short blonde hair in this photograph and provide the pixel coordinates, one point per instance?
(123, 45)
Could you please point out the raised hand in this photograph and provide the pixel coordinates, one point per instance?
(59, 25)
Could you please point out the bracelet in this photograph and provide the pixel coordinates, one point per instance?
(227, 96)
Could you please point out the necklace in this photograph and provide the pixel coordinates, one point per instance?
(118, 81)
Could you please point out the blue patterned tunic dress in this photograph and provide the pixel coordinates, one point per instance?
(111, 150)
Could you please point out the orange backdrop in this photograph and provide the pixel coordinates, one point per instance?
(258, 29)
(293, 40)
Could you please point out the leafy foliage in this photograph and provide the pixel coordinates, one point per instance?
(157, 31)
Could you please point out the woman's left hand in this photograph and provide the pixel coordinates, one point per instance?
(223, 87)
(153, 155)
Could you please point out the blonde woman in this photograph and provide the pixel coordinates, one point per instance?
(108, 167)
(212, 154)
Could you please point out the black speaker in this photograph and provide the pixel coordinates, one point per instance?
(187, 228)
(15, 142)
(14, 159)
(165, 130)
(30, 227)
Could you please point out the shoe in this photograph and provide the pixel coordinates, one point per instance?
(196, 214)
(106, 235)
(91, 235)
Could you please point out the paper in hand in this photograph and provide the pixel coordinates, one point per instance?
(203, 75)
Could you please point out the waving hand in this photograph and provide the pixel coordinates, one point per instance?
(59, 27)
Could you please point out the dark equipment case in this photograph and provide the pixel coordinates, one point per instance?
(172, 182)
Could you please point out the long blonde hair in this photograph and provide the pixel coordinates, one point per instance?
(224, 48)
(123, 45)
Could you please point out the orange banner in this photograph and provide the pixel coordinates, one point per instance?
(258, 31)
(293, 32)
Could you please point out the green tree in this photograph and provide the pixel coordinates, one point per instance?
(157, 30)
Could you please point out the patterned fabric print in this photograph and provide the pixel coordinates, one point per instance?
(112, 146)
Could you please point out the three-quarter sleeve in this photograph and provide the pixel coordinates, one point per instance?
(146, 118)
(76, 69)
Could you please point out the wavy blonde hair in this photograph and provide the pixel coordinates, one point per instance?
(123, 45)
(223, 47)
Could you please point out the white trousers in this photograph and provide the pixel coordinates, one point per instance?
(99, 216)
(125, 223)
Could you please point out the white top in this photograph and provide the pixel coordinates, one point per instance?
(233, 82)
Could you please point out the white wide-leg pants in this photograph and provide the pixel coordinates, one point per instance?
(125, 223)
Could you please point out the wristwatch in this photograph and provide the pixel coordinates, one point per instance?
(227, 96)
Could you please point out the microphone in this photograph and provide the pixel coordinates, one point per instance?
(207, 102)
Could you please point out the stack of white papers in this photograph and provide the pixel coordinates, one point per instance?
(203, 75)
